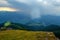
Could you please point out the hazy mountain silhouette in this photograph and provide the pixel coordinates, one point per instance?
(46, 20)
(16, 17)
(51, 19)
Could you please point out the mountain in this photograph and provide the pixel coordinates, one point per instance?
(16, 26)
(51, 19)
(10, 25)
(32, 27)
(46, 20)
(36, 26)
(52, 28)
(16, 17)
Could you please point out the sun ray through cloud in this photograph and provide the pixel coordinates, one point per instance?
(7, 9)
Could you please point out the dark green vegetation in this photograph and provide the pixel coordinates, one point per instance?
(55, 29)
(31, 27)
(9, 25)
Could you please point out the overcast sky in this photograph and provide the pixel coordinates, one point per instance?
(50, 7)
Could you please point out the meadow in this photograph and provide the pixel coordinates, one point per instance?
(26, 35)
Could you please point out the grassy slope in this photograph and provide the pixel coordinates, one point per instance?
(25, 35)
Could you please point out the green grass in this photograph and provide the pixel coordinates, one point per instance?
(26, 35)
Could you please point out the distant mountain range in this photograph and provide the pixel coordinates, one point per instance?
(35, 24)
(33, 27)
(25, 18)
(51, 19)
(16, 17)
(46, 20)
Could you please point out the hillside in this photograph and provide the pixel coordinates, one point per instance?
(33, 27)
(26, 35)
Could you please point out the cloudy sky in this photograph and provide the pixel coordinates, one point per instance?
(37, 7)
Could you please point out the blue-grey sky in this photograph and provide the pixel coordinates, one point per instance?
(37, 7)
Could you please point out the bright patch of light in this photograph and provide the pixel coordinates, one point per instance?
(7, 9)
(57, 0)
(45, 2)
(39, 0)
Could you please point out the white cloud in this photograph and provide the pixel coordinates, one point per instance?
(4, 2)
(52, 11)
(56, 10)
(39, 0)
(45, 2)
(49, 6)
(57, 0)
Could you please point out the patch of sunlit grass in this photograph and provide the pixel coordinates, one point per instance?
(26, 35)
